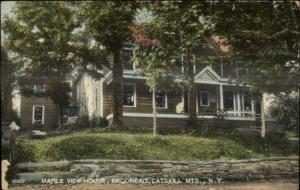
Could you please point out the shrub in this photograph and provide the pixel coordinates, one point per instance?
(286, 108)
(95, 122)
(4, 149)
(98, 122)
(82, 122)
(113, 145)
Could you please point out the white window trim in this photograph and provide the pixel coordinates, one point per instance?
(166, 102)
(33, 113)
(134, 95)
(35, 88)
(205, 91)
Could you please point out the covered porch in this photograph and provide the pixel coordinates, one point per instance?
(230, 101)
(217, 96)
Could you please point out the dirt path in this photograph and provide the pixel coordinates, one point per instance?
(264, 185)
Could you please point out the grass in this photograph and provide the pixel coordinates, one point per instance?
(114, 145)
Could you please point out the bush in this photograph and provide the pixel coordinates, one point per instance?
(96, 122)
(4, 149)
(82, 122)
(285, 107)
(112, 145)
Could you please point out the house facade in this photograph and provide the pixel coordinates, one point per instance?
(217, 91)
(37, 110)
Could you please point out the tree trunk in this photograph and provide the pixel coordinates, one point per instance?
(263, 120)
(7, 103)
(154, 112)
(191, 91)
(117, 84)
(60, 117)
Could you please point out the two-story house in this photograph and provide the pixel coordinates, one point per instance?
(216, 86)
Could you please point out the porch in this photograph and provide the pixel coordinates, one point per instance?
(227, 101)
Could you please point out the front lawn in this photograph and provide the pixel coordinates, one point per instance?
(113, 145)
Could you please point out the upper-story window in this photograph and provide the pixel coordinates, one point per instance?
(184, 61)
(39, 88)
(128, 57)
(129, 95)
(161, 99)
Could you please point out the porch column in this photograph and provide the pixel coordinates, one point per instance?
(197, 108)
(238, 103)
(252, 107)
(221, 97)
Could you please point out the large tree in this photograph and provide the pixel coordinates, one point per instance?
(264, 38)
(8, 77)
(39, 35)
(152, 60)
(108, 23)
(177, 27)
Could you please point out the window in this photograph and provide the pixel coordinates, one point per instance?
(129, 95)
(161, 99)
(228, 101)
(38, 88)
(204, 98)
(38, 115)
(128, 56)
(183, 60)
(246, 101)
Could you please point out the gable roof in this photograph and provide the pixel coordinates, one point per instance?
(207, 74)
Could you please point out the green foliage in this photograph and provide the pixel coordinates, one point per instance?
(286, 108)
(176, 25)
(4, 149)
(95, 122)
(108, 22)
(41, 32)
(153, 61)
(177, 28)
(274, 144)
(104, 145)
(263, 37)
(40, 36)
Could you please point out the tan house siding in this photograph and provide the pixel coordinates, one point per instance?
(211, 109)
(143, 99)
(107, 99)
(51, 111)
(89, 91)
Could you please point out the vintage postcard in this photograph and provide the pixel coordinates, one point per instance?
(150, 95)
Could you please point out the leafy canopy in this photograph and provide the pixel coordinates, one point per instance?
(108, 22)
(263, 37)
